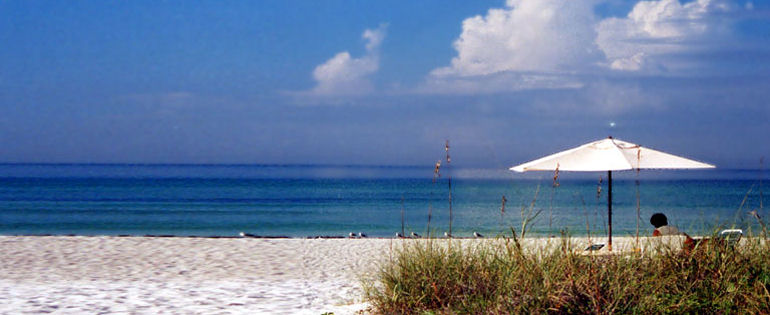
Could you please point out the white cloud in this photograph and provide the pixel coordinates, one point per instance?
(345, 75)
(657, 28)
(536, 44)
(527, 35)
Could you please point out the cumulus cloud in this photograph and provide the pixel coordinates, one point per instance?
(534, 44)
(657, 28)
(526, 35)
(345, 75)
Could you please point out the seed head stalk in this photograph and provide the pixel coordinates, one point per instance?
(449, 181)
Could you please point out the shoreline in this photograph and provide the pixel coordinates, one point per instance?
(255, 236)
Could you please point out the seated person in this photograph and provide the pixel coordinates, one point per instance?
(660, 222)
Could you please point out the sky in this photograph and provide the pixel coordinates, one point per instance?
(380, 82)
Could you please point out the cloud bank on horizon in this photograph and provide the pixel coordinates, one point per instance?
(537, 44)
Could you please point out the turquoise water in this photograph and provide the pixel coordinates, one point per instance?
(302, 201)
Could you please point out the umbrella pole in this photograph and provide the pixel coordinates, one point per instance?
(609, 210)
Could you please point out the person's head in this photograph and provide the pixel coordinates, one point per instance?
(657, 220)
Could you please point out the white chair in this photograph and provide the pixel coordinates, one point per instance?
(731, 236)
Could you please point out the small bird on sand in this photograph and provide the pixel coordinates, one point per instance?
(352, 235)
(447, 235)
(415, 235)
(242, 234)
(361, 234)
(477, 234)
(399, 235)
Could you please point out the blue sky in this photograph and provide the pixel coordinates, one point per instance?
(380, 82)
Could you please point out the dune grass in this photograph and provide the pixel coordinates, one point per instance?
(500, 277)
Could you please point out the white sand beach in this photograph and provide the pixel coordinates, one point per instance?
(157, 275)
(183, 275)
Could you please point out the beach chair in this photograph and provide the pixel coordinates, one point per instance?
(731, 236)
(725, 239)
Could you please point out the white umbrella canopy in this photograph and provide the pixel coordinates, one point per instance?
(609, 155)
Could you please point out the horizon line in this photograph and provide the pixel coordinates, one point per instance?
(301, 165)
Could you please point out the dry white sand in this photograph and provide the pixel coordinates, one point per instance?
(157, 275)
(153, 275)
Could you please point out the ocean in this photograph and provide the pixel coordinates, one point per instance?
(323, 200)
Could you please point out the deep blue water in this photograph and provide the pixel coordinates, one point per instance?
(301, 201)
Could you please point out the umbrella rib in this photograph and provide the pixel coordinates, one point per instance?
(619, 151)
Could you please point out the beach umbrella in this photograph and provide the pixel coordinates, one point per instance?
(609, 155)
